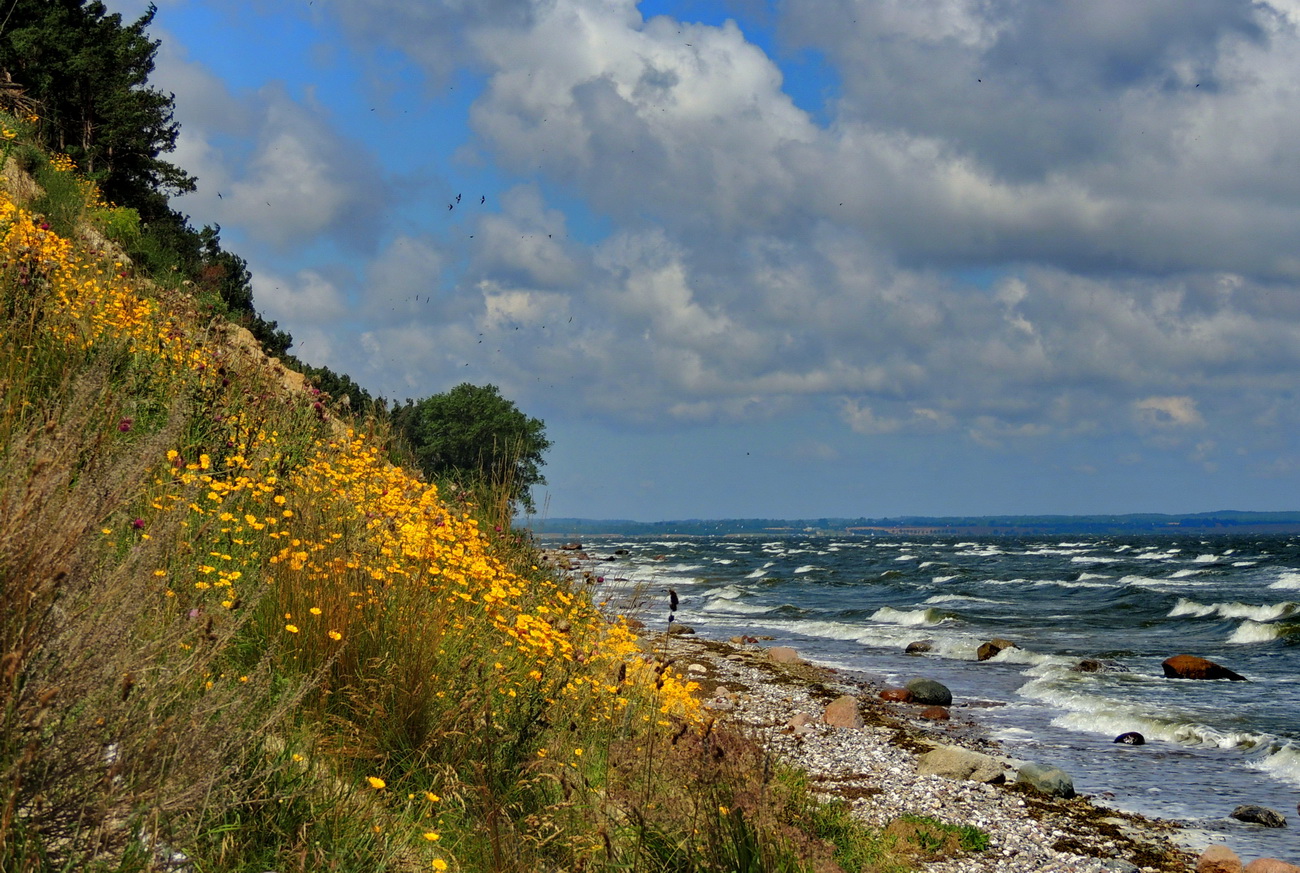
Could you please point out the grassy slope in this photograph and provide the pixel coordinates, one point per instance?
(234, 636)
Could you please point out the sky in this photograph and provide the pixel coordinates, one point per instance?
(772, 258)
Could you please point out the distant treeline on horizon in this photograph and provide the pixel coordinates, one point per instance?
(985, 525)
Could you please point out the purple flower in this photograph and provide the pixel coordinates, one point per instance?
(138, 523)
(124, 425)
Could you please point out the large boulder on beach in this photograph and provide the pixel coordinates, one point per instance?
(1131, 738)
(1052, 781)
(1261, 815)
(935, 713)
(952, 762)
(842, 712)
(896, 695)
(1194, 667)
(929, 692)
(919, 647)
(783, 655)
(993, 648)
(676, 629)
(1218, 859)
(1271, 865)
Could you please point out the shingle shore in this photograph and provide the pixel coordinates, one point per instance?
(874, 769)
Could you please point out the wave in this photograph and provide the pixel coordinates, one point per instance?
(806, 568)
(757, 574)
(1078, 583)
(1086, 576)
(939, 580)
(1284, 763)
(1183, 574)
(1290, 579)
(961, 598)
(1205, 559)
(1265, 612)
(910, 618)
(728, 606)
(1254, 632)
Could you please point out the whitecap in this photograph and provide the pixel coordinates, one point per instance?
(1290, 579)
(960, 598)
(1205, 559)
(1254, 632)
(1083, 577)
(1244, 563)
(806, 568)
(939, 580)
(734, 607)
(1284, 763)
(757, 574)
(909, 617)
(1258, 613)
(1183, 574)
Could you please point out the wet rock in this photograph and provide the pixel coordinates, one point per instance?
(1131, 738)
(919, 647)
(784, 655)
(1052, 781)
(1194, 667)
(1271, 865)
(571, 547)
(843, 713)
(676, 628)
(1218, 859)
(634, 623)
(896, 695)
(1261, 815)
(952, 762)
(930, 692)
(1097, 665)
(935, 713)
(993, 648)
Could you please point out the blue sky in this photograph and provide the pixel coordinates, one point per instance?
(777, 259)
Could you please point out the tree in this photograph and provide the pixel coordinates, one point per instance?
(473, 435)
(89, 72)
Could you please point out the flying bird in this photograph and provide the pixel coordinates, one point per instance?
(482, 200)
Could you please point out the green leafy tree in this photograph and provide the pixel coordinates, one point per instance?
(473, 435)
(89, 73)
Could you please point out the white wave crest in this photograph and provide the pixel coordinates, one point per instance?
(1290, 579)
(757, 574)
(1261, 613)
(960, 598)
(1284, 763)
(806, 568)
(908, 617)
(1254, 632)
(939, 580)
(1205, 559)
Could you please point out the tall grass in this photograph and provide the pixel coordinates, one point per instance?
(235, 636)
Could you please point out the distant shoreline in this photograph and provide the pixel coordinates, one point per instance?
(1199, 524)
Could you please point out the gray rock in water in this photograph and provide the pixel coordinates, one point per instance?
(919, 647)
(929, 692)
(1097, 665)
(679, 629)
(1131, 738)
(1262, 815)
(1049, 780)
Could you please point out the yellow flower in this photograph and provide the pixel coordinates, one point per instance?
(376, 783)
(293, 629)
(314, 610)
(439, 865)
(335, 635)
(431, 797)
(432, 836)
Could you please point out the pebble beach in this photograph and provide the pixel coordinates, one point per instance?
(874, 768)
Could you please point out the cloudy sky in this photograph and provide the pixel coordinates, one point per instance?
(784, 258)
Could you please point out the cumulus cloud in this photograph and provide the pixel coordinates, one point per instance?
(1021, 222)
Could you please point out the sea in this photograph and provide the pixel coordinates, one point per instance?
(855, 602)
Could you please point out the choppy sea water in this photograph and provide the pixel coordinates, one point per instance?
(855, 603)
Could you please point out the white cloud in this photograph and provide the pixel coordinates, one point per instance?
(1169, 412)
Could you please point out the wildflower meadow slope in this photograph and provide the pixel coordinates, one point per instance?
(235, 636)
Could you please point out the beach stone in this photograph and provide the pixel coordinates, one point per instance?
(896, 695)
(919, 647)
(696, 668)
(843, 713)
(992, 648)
(1218, 859)
(1096, 665)
(1194, 667)
(935, 713)
(634, 623)
(929, 692)
(676, 629)
(1262, 815)
(783, 655)
(800, 724)
(1271, 865)
(1119, 865)
(1131, 738)
(1052, 781)
(952, 762)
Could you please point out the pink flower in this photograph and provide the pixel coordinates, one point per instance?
(124, 425)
